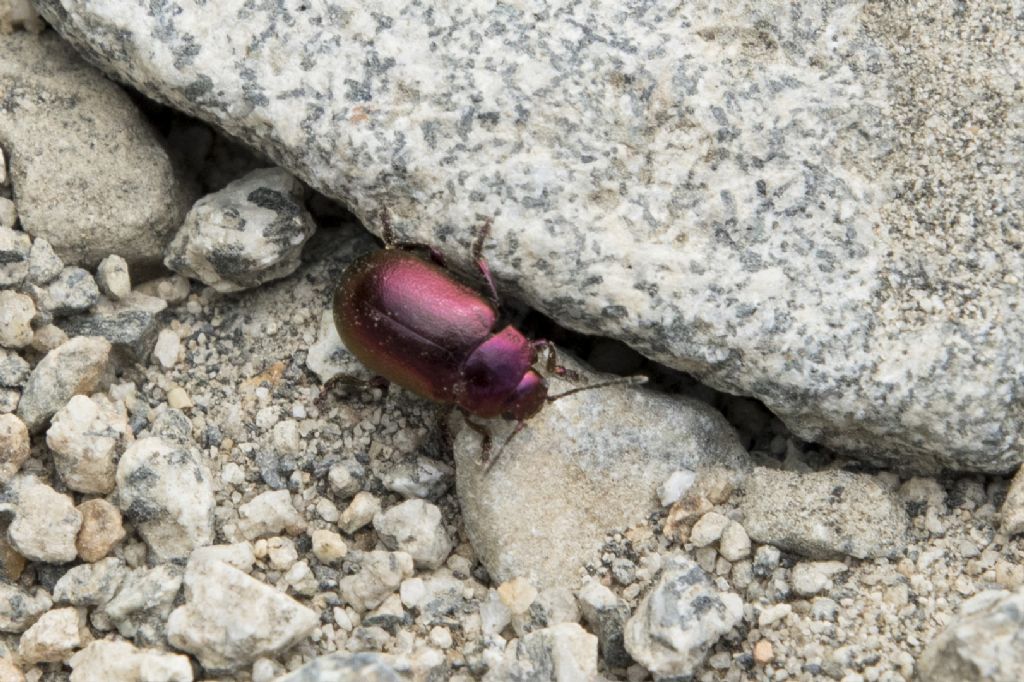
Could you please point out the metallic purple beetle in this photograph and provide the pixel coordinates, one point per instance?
(409, 321)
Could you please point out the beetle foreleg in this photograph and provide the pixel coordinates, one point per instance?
(551, 364)
(485, 435)
(489, 463)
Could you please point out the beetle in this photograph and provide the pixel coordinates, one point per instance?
(409, 320)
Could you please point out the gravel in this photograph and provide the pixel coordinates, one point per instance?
(178, 502)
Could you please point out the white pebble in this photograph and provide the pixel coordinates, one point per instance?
(167, 347)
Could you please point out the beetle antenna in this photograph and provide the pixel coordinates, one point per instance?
(631, 381)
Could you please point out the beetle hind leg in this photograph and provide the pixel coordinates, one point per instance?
(481, 262)
(351, 381)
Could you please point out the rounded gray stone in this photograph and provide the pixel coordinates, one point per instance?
(87, 199)
(583, 466)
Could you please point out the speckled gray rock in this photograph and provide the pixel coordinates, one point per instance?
(78, 366)
(19, 609)
(230, 619)
(606, 615)
(53, 637)
(1012, 511)
(113, 278)
(561, 653)
(90, 584)
(379, 575)
(14, 446)
(269, 513)
(415, 527)
(982, 643)
(823, 515)
(132, 333)
(16, 313)
(728, 183)
(419, 478)
(117, 661)
(250, 232)
(166, 491)
(14, 370)
(15, 250)
(45, 522)
(73, 291)
(341, 667)
(87, 437)
(679, 620)
(87, 199)
(140, 608)
(584, 466)
(43, 263)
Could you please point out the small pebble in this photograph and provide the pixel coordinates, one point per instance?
(167, 348)
(101, 529)
(113, 278)
(14, 446)
(708, 529)
(16, 313)
(179, 399)
(328, 547)
(360, 512)
(53, 637)
(763, 653)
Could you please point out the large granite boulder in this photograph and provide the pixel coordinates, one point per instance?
(814, 204)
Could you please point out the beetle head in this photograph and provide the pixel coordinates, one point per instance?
(527, 399)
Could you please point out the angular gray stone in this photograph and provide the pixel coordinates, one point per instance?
(87, 199)
(14, 370)
(90, 584)
(230, 619)
(583, 466)
(77, 366)
(679, 620)
(43, 263)
(117, 661)
(14, 446)
(16, 313)
(167, 492)
(45, 522)
(784, 207)
(15, 251)
(419, 478)
(19, 609)
(379, 575)
(606, 615)
(73, 291)
(339, 667)
(982, 643)
(87, 436)
(823, 515)
(140, 608)
(131, 333)
(250, 232)
(561, 653)
(415, 527)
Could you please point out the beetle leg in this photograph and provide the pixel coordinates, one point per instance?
(481, 262)
(489, 462)
(485, 435)
(551, 364)
(387, 235)
(349, 380)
